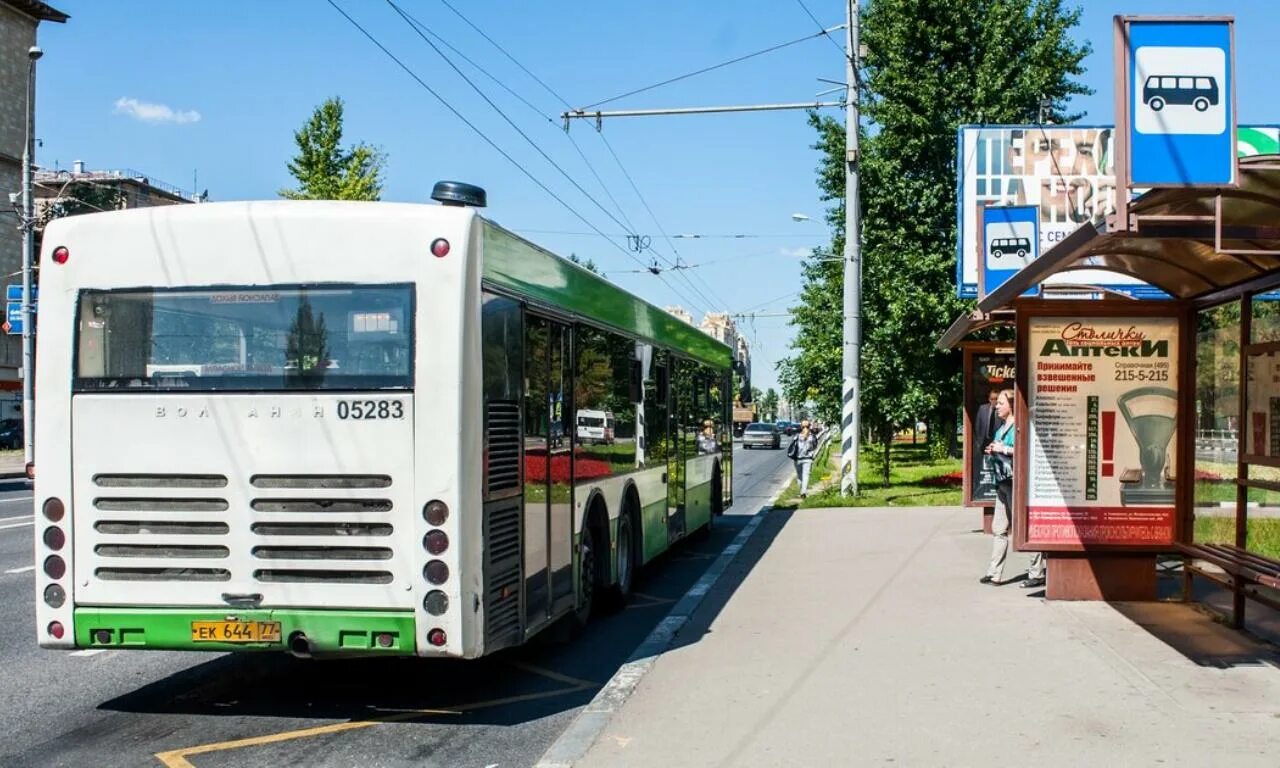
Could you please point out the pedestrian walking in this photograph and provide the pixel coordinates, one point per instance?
(707, 441)
(999, 460)
(804, 446)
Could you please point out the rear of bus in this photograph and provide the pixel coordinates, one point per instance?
(250, 432)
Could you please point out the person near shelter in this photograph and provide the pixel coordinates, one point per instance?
(803, 448)
(999, 454)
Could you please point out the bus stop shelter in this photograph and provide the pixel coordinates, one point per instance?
(1169, 407)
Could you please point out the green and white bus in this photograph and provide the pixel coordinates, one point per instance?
(339, 427)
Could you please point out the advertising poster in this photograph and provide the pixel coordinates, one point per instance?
(990, 371)
(1263, 396)
(1102, 404)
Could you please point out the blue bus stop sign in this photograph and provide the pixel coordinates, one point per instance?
(1181, 103)
(1010, 241)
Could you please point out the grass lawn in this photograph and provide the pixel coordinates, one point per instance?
(910, 468)
(1263, 538)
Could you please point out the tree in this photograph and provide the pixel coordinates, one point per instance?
(931, 67)
(327, 171)
(79, 197)
(769, 404)
(588, 264)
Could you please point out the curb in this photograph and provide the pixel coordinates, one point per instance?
(573, 743)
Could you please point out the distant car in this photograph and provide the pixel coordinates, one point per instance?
(761, 435)
(789, 427)
(11, 434)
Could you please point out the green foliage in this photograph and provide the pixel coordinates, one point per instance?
(931, 68)
(938, 449)
(769, 404)
(588, 264)
(327, 171)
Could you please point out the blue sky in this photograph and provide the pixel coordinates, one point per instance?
(237, 77)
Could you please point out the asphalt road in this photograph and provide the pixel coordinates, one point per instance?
(122, 708)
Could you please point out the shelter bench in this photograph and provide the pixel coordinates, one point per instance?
(1246, 571)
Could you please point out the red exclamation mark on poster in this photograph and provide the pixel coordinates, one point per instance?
(1108, 443)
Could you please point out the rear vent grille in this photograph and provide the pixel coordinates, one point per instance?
(322, 553)
(322, 577)
(160, 481)
(160, 505)
(163, 574)
(162, 550)
(320, 481)
(502, 437)
(171, 527)
(502, 577)
(321, 505)
(322, 529)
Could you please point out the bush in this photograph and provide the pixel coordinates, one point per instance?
(939, 450)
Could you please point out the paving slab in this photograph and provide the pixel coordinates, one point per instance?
(862, 636)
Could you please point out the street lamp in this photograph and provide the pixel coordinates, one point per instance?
(28, 260)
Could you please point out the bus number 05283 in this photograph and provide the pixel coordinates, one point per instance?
(370, 409)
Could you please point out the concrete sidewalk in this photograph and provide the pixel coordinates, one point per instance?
(862, 636)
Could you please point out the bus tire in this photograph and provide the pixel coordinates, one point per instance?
(588, 575)
(617, 595)
(1201, 104)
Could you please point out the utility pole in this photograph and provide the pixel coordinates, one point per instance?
(28, 261)
(851, 408)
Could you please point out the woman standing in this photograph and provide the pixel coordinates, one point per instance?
(999, 456)
(804, 446)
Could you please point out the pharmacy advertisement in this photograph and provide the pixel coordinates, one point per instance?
(1102, 403)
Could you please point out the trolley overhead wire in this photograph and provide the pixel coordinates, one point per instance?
(475, 129)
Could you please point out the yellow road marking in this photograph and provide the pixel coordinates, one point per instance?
(552, 675)
(177, 758)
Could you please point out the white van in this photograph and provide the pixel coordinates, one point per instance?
(595, 427)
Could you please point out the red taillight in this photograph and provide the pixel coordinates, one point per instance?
(439, 247)
(436, 542)
(54, 538)
(436, 512)
(437, 637)
(54, 510)
(61, 254)
(55, 630)
(55, 567)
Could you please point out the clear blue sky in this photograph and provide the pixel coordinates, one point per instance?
(253, 71)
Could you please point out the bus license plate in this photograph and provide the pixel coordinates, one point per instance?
(235, 631)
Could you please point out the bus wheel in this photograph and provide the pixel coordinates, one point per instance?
(588, 576)
(1201, 104)
(618, 595)
(1156, 103)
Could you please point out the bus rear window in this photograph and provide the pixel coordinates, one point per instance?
(246, 339)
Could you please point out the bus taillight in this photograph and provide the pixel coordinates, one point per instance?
(61, 254)
(436, 542)
(55, 567)
(436, 602)
(435, 512)
(436, 572)
(437, 637)
(53, 509)
(55, 630)
(54, 538)
(439, 247)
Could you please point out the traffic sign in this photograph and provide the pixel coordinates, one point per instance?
(13, 318)
(1010, 241)
(1180, 102)
(14, 293)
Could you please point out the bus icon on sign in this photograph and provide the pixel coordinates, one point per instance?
(1010, 246)
(1198, 92)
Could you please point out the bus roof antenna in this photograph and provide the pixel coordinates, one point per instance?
(458, 193)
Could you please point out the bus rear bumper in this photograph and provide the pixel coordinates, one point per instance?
(318, 632)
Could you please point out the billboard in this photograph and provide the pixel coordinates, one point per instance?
(989, 368)
(1068, 171)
